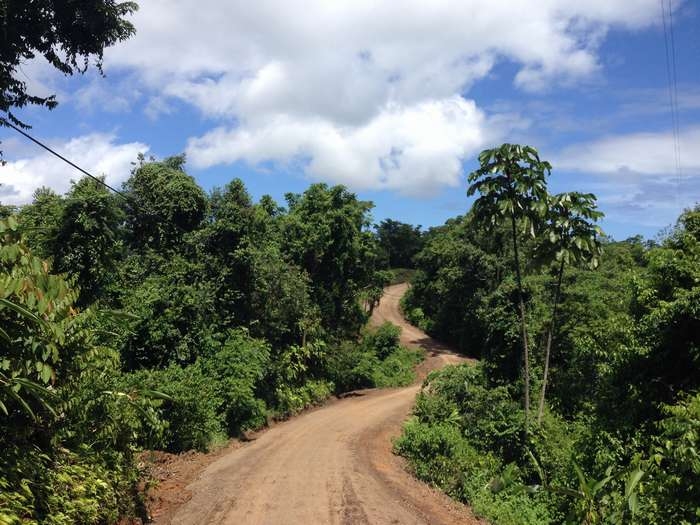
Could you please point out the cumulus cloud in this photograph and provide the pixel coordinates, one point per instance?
(99, 95)
(635, 154)
(413, 149)
(288, 52)
(346, 78)
(98, 153)
(636, 176)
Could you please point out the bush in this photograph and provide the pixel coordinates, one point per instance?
(383, 341)
(66, 489)
(398, 369)
(67, 435)
(488, 415)
(377, 361)
(291, 400)
(192, 416)
(440, 454)
(238, 370)
(673, 485)
(434, 452)
(351, 367)
(460, 434)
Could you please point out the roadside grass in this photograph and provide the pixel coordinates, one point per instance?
(399, 368)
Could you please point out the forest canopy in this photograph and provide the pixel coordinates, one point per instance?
(584, 406)
(167, 317)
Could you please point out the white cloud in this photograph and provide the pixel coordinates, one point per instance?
(635, 174)
(98, 94)
(320, 78)
(41, 78)
(157, 106)
(412, 149)
(98, 153)
(635, 154)
(326, 55)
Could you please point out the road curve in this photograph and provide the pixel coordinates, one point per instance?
(332, 465)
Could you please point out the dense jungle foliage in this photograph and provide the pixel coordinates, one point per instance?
(171, 319)
(616, 439)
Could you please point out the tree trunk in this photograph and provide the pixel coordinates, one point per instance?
(523, 324)
(552, 326)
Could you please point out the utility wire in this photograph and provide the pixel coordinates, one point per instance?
(81, 170)
(672, 90)
(674, 70)
(130, 200)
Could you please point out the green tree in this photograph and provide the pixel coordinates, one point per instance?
(36, 315)
(39, 220)
(67, 435)
(240, 245)
(668, 315)
(87, 242)
(512, 187)
(68, 34)
(398, 242)
(454, 275)
(570, 237)
(326, 233)
(172, 309)
(166, 204)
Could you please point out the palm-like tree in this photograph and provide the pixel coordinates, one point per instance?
(570, 237)
(512, 187)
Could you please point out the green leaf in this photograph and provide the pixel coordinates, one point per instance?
(633, 503)
(632, 481)
(46, 373)
(582, 480)
(600, 484)
(20, 310)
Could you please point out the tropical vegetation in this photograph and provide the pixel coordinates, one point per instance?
(604, 334)
(169, 318)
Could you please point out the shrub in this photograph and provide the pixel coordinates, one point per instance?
(67, 436)
(65, 489)
(238, 370)
(383, 341)
(191, 416)
(351, 367)
(673, 485)
(434, 452)
(291, 400)
(460, 433)
(376, 361)
(398, 368)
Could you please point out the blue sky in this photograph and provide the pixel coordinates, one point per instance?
(395, 104)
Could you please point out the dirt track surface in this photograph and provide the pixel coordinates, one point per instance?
(331, 465)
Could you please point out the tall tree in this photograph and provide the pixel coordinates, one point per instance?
(399, 242)
(326, 232)
(512, 187)
(166, 201)
(569, 237)
(39, 220)
(88, 237)
(68, 34)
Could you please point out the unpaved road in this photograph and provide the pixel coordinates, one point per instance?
(331, 465)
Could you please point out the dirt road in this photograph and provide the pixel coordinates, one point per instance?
(331, 465)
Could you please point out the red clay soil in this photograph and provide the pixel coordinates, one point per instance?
(330, 465)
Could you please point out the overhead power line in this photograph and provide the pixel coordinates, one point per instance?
(129, 199)
(64, 159)
(671, 73)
